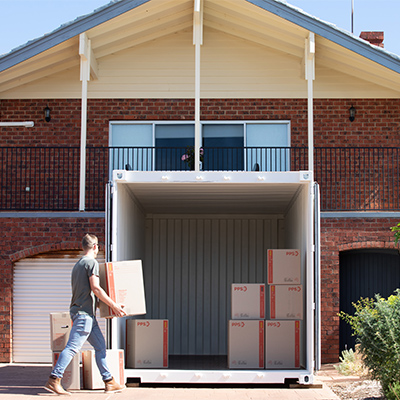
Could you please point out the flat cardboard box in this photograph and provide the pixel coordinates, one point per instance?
(72, 374)
(147, 343)
(248, 301)
(123, 282)
(60, 327)
(246, 344)
(283, 267)
(91, 374)
(282, 344)
(285, 302)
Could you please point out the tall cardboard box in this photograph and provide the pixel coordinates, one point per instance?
(246, 344)
(285, 302)
(60, 327)
(91, 374)
(147, 343)
(248, 301)
(283, 266)
(123, 282)
(72, 374)
(282, 344)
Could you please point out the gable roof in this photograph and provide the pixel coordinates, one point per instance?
(279, 8)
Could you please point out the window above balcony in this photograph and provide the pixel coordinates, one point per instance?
(228, 145)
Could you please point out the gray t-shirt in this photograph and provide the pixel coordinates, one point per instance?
(83, 300)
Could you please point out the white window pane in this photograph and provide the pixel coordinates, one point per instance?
(267, 147)
(133, 146)
(132, 135)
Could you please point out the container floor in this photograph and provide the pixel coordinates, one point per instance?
(198, 362)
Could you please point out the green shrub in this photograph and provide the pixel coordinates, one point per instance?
(376, 323)
(394, 392)
(396, 230)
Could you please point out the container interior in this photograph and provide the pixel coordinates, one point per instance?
(197, 238)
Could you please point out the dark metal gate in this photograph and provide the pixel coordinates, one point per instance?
(363, 273)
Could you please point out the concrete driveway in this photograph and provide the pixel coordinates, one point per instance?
(25, 382)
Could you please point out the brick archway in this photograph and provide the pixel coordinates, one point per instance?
(44, 248)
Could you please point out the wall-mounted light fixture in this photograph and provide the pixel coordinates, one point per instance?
(47, 117)
(352, 113)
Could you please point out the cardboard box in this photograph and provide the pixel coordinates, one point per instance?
(246, 344)
(147, 343)
(123, 282)
(60, 327)
(91, 374)
(282, 344)
(248, 301)
(283, 267)
(72, 374)
(285, 302)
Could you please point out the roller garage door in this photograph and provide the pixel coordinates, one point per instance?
(41, 286)
(363, 273)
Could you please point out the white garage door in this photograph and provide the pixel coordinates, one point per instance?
(42, 285)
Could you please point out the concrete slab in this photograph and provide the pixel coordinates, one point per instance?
(25, 382)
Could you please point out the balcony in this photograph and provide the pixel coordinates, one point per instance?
(47, 178)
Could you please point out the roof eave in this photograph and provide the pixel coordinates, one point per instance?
(66, 32)
(326, 31)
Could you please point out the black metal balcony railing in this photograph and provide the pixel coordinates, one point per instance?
(47, 178)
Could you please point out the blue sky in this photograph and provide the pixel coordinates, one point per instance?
(24, 20)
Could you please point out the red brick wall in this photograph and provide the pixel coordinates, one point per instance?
(339, 234)
(24, 237)
(376, 123)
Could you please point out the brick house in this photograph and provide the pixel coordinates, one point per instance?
(134, 73)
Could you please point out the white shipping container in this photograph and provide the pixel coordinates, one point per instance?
(248, 301)
(146, 343)
(284, 266)
(197, 233)
(282, 344)
(286, 302)
(92, 378)
(246, 344)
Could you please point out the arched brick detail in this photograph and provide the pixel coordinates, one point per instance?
(370, 244)
(44, 248)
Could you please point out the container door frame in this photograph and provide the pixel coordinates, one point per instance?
(317, 278)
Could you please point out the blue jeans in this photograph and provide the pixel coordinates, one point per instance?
(84, 327)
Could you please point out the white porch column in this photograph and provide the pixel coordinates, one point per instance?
(309, 61)
(88, 67)
(197, 41)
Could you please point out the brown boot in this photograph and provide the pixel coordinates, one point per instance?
(54, 385)
(112, 386)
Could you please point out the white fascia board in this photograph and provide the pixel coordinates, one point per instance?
(330, 32)
(67, 31)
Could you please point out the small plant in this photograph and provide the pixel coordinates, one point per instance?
(376, 323)
(351, 363)
(189, 156)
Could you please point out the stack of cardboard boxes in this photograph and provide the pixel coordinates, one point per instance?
(60, 327)
(272, 343)
(282, 330)
(246, 328)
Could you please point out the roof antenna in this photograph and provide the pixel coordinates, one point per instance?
(352, 16)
